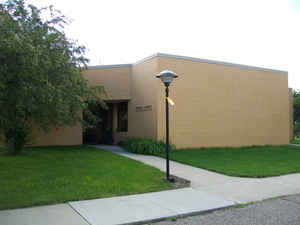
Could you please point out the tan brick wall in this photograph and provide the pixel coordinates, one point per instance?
(221, 105)
(116, 81)
(143, 92)
(61, 136)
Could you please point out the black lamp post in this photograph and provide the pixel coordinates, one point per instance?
(167, 77)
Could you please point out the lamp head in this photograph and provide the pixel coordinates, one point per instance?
(167, 76)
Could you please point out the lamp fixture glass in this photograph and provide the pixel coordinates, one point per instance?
(167, 76)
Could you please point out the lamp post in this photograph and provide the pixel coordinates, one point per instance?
(167, 77)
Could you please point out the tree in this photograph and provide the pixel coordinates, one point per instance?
(41, 82)
(296, 95)
(297, 129)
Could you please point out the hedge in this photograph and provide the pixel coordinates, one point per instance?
(145, 146)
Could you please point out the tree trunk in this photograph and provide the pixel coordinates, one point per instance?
(11, 146)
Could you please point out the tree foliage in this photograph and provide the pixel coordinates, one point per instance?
(296, 95)
(296, 105)
(41, 82)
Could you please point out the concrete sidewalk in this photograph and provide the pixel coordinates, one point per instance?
(117, 210)
(147, 207)
(61, 214)
(240, 190)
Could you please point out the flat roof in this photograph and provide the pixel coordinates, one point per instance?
(190, 59)
(109, 66)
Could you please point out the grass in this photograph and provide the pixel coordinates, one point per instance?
(263, 161)
(296, 140)
(47, 175)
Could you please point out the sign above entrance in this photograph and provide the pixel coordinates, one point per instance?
(144, 108)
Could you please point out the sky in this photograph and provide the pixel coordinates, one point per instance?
(264, 33)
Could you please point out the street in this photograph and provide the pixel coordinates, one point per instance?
(279, 211)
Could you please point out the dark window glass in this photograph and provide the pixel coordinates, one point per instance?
(123, 116)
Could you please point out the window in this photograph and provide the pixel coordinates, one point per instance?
(122, 117)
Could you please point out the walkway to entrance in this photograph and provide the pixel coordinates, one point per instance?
(239, 190)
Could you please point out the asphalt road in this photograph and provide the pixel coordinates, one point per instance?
(279, 211)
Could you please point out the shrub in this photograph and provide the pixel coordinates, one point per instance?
(145, 146)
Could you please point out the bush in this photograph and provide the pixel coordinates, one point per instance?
(145, 146)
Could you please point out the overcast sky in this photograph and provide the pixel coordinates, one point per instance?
(263, 33)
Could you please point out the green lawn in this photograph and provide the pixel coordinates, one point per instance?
(261, 161)
(46, 175)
